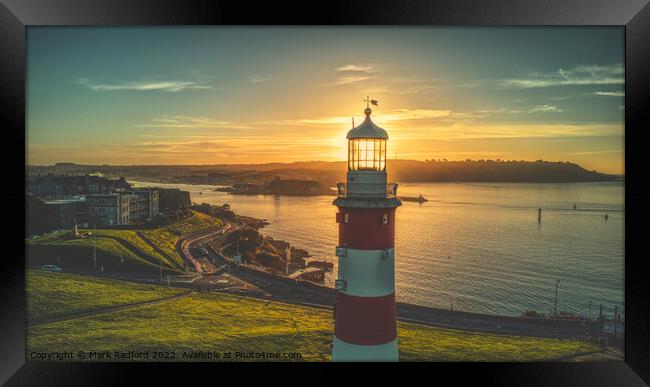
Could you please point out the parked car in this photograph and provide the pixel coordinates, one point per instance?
(51, 268)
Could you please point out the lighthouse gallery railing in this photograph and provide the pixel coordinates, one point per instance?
(391, 191)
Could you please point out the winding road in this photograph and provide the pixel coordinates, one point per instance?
(261, 284)
(306, 293)
(184, 246)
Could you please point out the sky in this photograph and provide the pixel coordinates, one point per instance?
(226, 95)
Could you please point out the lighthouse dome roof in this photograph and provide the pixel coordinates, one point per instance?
(367, 129)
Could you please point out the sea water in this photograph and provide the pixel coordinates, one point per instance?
(476, 246)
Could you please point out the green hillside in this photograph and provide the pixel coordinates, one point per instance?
(222, 322)
(58, 294)
(166, 237)
(131, 237)
(119, 250)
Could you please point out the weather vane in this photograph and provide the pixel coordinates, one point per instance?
(369, 101)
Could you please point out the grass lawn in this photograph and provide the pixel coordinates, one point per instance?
(55, 294)
(222, 322)
(166, 237)
(62, 246)
(418, 342)
(131, 237)
(166, 242)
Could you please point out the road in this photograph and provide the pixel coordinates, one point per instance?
(218, 273)
(266, 285)
(200, 264)
(308, 294)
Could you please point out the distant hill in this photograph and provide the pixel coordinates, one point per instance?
(328, 173)
(295, 187)
(496, 171)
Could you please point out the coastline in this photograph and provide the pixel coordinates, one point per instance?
(273, 278)
(215, 187)
(304, 221)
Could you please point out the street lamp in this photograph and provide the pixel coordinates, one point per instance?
(557, 284)
(94, 251)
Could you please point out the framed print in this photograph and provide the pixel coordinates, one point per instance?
(452, 187)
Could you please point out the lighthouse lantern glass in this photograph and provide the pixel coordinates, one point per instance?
(367, 154)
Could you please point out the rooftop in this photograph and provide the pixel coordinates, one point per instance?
(367, 129)
(75, 199)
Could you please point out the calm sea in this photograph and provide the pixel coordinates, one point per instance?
(477, 246)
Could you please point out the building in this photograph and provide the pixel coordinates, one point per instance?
(65, 213)
(138, 207)
(47, 215)
(365, 310)
(122, 207)
(153, 201)
(173, 199)
(59, 186)
(144, 205)
(110, 202)
(108, 209)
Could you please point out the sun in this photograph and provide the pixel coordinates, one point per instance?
(339, 144)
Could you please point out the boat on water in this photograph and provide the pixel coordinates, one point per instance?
(418, 199)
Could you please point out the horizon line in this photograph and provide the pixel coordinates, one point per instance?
(312, 161)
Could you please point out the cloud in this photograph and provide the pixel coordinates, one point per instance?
(415, 118)
(180, 122)
(376, 89)
(351, 80)
(258, 79)
(184, 149)
(475, 131)
(394, 115)
(322, 121)
(609, 93)
(357, 68)
(415, 114)
(424, 115)
(421, 89)
(534, 109)
(544, 109)
(596, 152)
(294, 144)
(576, 76)
(169, 86)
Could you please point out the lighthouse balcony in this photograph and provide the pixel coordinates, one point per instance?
(366, 190)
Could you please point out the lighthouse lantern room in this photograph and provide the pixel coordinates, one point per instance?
(365, 312)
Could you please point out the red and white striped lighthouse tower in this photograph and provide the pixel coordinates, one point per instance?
(365, 312)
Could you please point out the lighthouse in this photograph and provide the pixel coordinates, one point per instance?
(365, 311)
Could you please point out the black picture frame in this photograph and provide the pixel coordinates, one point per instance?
(634, 16)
